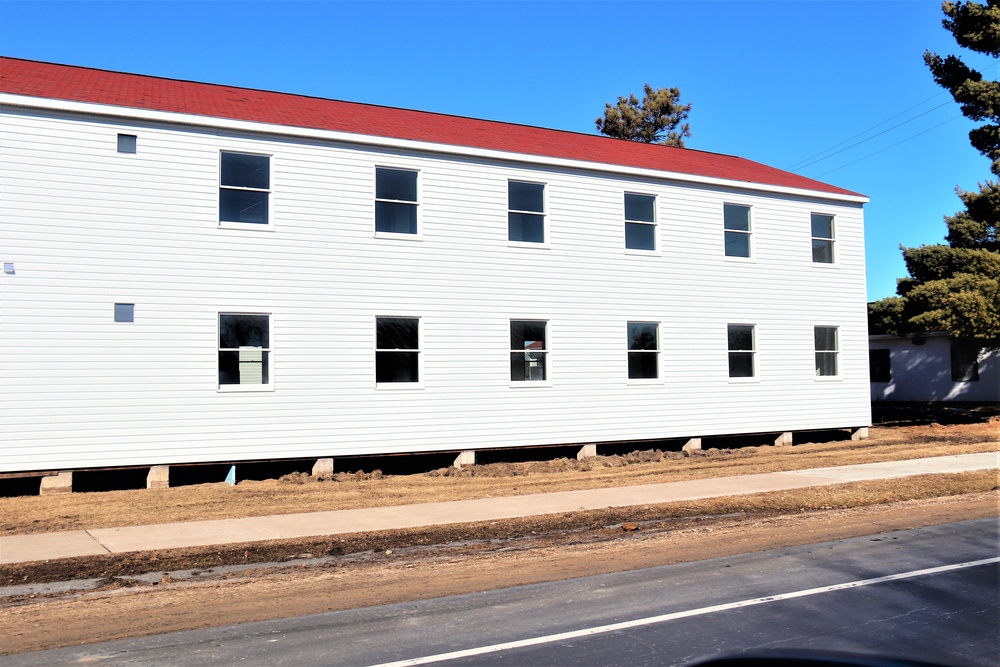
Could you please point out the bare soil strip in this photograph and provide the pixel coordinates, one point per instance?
(23, 515)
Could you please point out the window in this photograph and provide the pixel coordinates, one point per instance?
(528, 350)
(127, 143)
(397, 349)
(244, 349)
(526, 214)
(640, 222)
(737, 222)
(826, 350)
(245, 188)
(879, 368)
(964, 362)
(822, 238)
(741, 350)
(643, 350)
(124, 312)
(395, 201)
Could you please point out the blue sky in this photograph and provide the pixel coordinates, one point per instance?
(777, 82)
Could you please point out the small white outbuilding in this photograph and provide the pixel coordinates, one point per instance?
(204, 273)
(933, 368)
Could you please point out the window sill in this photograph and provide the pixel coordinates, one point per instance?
(741, 260)
(529, 384)
(828, 265)
(527, 244)
(829, 378)
(398, 386)
(398, 236)
(646, 382)
(750, 380)
(642, 253)
(245, 388)
(246, 226)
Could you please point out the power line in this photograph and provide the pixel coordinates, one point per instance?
(888, 147)
(858, 143)
(796, 165)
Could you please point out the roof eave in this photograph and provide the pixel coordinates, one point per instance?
(133, 113)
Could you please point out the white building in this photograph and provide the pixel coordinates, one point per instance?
(932, 368)
(198, 273)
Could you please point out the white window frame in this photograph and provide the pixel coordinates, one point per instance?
(755, 371)
(419, 234)
(832, 240)
(749, 233)
(545, 243)
(655, 250)
(397, 386)
(655, 353)
(546, 350)
(835, 352)
(231, 224)
(243, 388)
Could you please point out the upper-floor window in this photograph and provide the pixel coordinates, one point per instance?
(244, 188)
(528, 350)
(643, 350)
(395, 201)
(741, 350)
(737, 223)
(879, 366)
(964, 362)
(822, 238)
(827, 349)
(244, 350)
(526, 212)
(640, 222)
(397, 349)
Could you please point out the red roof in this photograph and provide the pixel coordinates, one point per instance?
(81, 84)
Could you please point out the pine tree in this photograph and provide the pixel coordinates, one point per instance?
(956, 287)
(657, 119)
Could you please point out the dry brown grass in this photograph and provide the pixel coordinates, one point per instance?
(213, 501)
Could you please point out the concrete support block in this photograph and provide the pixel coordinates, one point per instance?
(860, 433)
(586, 452)
(53, 484)
(692, 445)
(785, 439)
(322, 467)
(465, 458)
(158, 477)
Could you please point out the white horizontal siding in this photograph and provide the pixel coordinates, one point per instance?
(87, 227)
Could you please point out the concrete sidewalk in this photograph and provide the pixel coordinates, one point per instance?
(50, 546)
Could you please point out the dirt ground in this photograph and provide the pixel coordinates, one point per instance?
(350, 490)
(126, 595)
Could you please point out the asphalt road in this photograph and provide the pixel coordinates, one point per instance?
(927, 594)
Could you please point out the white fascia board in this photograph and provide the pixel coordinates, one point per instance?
(389, 142)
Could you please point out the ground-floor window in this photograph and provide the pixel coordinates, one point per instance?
(741, 350)
(643, 350)
(528, 350)
(826, 351)
(244, 349)
(964, 362)
(879, 366)
(397, 349)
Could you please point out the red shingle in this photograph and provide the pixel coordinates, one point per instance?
(80, 84)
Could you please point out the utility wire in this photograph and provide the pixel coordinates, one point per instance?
(860, 134)
(890, 146)
(858, 143)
